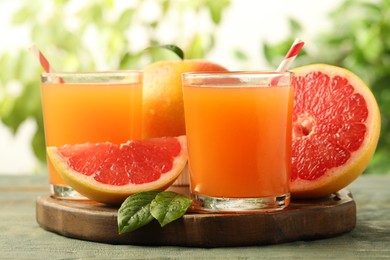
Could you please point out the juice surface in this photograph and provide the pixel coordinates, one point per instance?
(239, 140)
(79, 113)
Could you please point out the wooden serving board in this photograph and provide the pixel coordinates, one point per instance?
(302, 220)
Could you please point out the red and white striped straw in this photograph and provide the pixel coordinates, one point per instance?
(43, 61)
(41, 58)
(290, 56)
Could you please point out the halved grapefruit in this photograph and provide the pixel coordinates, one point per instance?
(109, 173)
(336, 125)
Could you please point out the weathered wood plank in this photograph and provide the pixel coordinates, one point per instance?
(22, 238)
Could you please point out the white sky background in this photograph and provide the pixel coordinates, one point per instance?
(245, 25)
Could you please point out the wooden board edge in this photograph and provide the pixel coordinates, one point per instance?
(304, 221)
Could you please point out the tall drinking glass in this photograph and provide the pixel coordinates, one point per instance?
(89, 107)
(238, 127)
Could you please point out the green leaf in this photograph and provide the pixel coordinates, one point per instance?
(196, 48)
(169, 206)
(27, 13)
(295, 26)
(135, 211)
(130, 61)
(216, 9)
(179, 52)
(240, 55)
(125, 19)
(140, 209)
(165, 6)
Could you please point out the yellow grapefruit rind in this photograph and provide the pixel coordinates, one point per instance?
(110, 194)
(338, 178)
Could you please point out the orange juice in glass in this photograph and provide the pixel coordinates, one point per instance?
(238, 127)
(89, 107)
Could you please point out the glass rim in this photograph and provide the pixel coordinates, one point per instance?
(93, 77)
(90, 73)
(236, 74)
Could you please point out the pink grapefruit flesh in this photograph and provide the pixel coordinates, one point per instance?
(109, 173)
(336, 124)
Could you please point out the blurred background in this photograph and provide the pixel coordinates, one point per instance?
(112, 34)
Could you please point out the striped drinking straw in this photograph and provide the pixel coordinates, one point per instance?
(291, 55)
(41, 58)
(288, 59)
(43, 61)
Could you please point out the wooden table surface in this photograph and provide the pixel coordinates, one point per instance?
(22, 238)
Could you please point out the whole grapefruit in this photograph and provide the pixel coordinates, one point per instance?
(336, 125)
(163, 111)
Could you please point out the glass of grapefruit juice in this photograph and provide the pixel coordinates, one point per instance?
(89, 107)
(238, 127)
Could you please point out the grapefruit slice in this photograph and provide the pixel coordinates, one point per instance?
(109, 173)
(336, 125)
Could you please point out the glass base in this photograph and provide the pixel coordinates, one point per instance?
(212, 204)
(65, 192)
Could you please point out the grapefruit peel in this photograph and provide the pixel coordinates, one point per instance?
(163, 111)
(112, 194)
(338, 177)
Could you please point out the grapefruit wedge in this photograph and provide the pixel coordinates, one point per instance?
(336, 125)
(109, 173)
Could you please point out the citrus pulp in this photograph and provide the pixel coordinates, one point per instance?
(109, 173)
(336, 124)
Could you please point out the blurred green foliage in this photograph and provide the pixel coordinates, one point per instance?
(112, 34)
(97, 35)
(359, 40)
